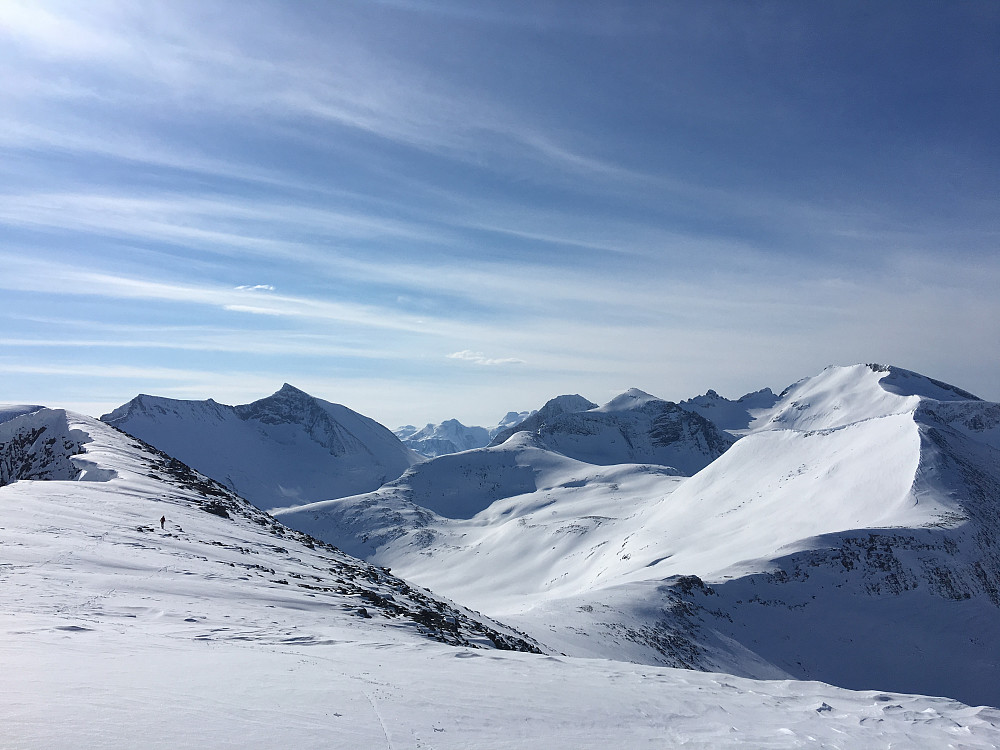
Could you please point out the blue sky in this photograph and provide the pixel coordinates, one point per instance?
(426, 210)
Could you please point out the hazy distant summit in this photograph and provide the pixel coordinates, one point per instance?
(451, 436)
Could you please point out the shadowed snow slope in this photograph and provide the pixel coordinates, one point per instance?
(851, 536)
(733, 416)
(286, 448)
(224, 629)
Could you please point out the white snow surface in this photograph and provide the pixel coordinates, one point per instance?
(851, 536)
(232, 632)
(287, 448)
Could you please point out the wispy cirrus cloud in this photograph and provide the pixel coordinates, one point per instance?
(479, 358)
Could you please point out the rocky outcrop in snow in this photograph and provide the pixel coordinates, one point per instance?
(37, 443)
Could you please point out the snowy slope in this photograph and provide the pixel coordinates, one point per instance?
(873, 490)
(634, 427)
(227, 630)
(288, 447)
(82, 543)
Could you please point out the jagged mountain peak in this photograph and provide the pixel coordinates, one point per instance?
(565, 404)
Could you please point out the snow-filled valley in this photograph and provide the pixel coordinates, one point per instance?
(792, 571)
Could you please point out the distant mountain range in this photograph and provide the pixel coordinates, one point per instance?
(835, 531)
(451, 436)
(846, 530)
(851, 535)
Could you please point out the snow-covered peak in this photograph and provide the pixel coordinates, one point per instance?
(633, 398)
(841, 395)
(287, 447)
(450, 436)
(510, 419)
(566, 404)
(635, 427)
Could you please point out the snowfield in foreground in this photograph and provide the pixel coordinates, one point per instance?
(130, 686)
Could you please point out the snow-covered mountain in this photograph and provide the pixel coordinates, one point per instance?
(450, 436)
(634, 427)
(98, 492)
(509, 419)
(223, 628)
(853, 536)
(734, 417)
(289, 447)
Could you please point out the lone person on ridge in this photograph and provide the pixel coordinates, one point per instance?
(163, 520)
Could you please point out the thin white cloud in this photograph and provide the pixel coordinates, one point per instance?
(256, 287)
(481, 359)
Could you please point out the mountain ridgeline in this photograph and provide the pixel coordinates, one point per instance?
(284, 449)
(845, 530)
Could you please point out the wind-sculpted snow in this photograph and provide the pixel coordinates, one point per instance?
(287, 448)
(10, 411)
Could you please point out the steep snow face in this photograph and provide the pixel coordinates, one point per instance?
(289, 447)
(732, 416)
(37, 443)
(9, 411)
(840, 396)
(451, 436)
(634, 427)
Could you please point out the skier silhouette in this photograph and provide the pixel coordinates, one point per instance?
(163, 520)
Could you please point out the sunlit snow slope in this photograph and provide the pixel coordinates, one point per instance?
(289, 447)
(851, 536)
(224, 629)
